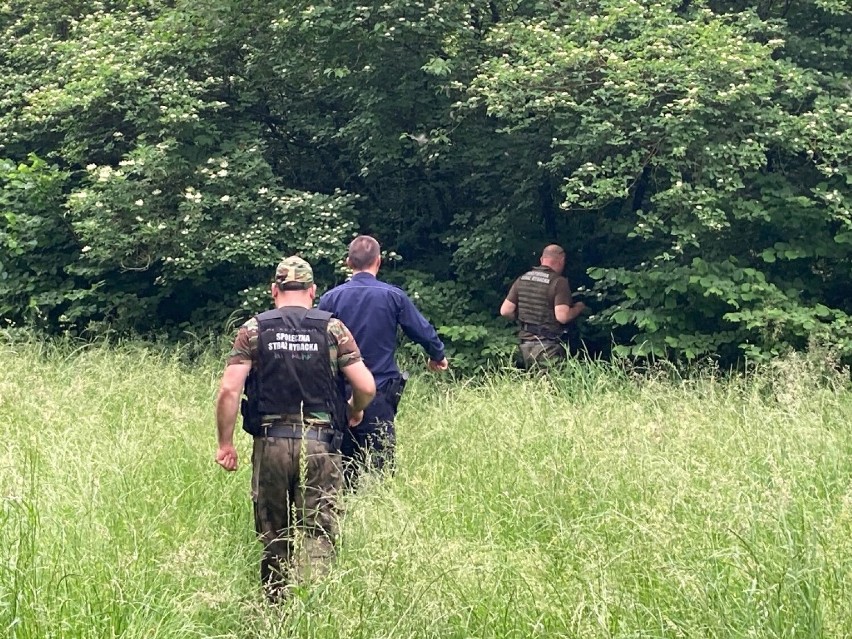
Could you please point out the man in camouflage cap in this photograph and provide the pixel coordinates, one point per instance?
(541, 301)
(294, 273)
(292, 361)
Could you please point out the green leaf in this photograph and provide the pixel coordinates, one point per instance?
(621, 350)
(822, 311)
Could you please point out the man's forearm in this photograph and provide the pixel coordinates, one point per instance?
(360, 399)
(509, 310)
(575, 311)
(226, 416)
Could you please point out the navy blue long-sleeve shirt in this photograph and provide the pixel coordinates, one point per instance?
(372, 309)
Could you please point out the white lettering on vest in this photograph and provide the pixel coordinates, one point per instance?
(535, 277)
(290, 337)
(293, 342)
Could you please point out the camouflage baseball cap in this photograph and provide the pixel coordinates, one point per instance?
(294, 270)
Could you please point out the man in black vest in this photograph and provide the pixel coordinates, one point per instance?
(291, 361)
(540, 300)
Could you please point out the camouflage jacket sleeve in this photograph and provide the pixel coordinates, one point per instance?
(342, 346)
(244, 349)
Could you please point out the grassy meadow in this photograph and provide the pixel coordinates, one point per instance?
(594, 504)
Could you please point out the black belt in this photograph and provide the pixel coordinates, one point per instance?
(540, 332)
(321, 434)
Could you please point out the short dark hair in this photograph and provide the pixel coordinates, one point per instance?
(363, 251)
(291, 286)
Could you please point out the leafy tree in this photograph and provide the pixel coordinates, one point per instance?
(36, 244)
(728, 160)
(173, 200)
(692, 156)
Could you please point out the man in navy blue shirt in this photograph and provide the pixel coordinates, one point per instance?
(372, 310)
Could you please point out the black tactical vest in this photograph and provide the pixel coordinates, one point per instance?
(292, 373)
(535, 304)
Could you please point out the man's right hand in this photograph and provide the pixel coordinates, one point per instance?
(355, 416)
(438, 366)
(226, 457)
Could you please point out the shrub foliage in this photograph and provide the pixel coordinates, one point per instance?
(692, 156)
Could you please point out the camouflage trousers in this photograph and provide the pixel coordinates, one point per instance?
(295, 484)
(542, 352)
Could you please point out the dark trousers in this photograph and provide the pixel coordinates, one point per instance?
(542, 352)
(370, 445)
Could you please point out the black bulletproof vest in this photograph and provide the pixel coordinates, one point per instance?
(293, 373)
(535, 306)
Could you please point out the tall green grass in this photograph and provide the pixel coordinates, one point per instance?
(596, 503)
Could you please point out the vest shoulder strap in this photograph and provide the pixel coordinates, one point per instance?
(316, 318)
(268, 315)
(318, 315)
(277, 313)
